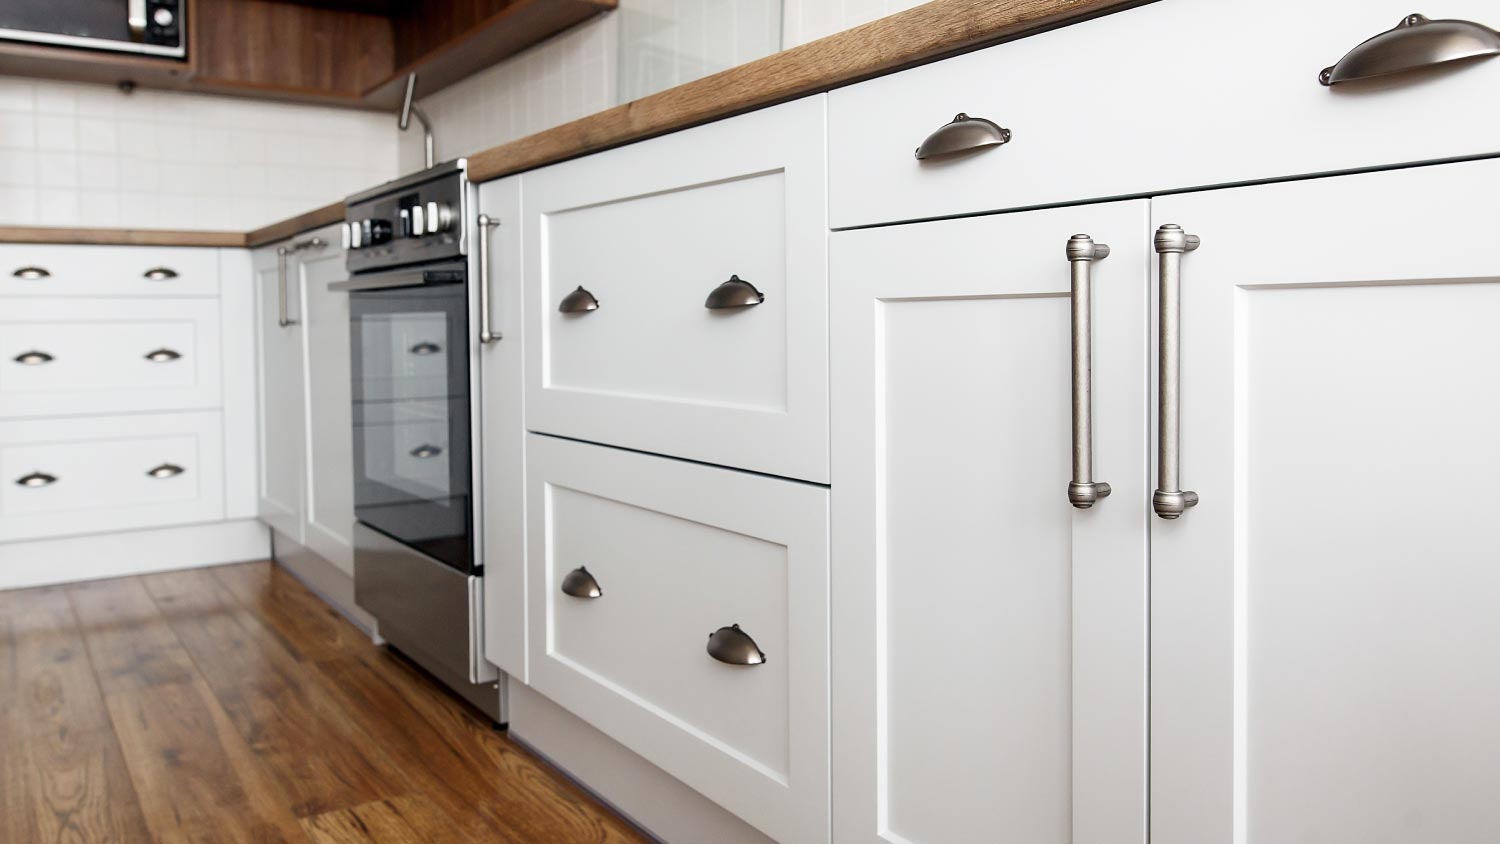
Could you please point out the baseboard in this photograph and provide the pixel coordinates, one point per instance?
(650, 798)
(326, 580)
(69, 559)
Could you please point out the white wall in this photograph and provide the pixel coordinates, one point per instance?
(78, 154)
(809, 20)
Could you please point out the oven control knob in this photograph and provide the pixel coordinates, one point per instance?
(356, 234)
(380, 232)
(439, 217)
(163, 17)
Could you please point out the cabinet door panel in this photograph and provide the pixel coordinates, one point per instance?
(1324, 627)
(990, 640)
(280, 388)
(330, 457)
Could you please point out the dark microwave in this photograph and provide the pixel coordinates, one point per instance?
(150, 27)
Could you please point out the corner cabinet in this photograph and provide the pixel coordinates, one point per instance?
(306, 465)
(1325, 641)
(990, 640)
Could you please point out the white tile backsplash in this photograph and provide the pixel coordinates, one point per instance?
(76, 154)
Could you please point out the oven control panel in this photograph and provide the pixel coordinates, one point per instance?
(412, 220)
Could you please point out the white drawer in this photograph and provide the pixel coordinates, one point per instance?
(1175, 94)
(60, 477)
(679, 551)
(650, 230)
(92, 356)
(28, 269)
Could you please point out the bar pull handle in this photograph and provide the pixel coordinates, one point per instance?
(1417, 41)
(1084, 492)
(733, 646)
(282, 318)
(486, 334)
(1170, 500)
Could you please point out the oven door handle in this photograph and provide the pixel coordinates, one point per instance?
(385, 281)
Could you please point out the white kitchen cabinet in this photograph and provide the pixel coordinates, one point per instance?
(280, 383)
(1324, 626)
(989, 639)
(685, 558)
(645, 236)
(306, 461)
(502, 441)
(1173, 94)
(71, 270)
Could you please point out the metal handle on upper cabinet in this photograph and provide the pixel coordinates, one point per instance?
(36, 479)
(734, 646)
(486, 335)
(163, 355)
(1084, 492)
(282, 319)
(165, 470)
(159, 274)
(578, 583)
(31, 273)
(1417, 41)
(1170, 500)
(963, 134)
(33, 358)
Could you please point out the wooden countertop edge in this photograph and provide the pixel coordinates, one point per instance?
(924, 33)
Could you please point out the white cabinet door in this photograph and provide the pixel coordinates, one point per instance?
(329, 528)
(989, 639)
(1325, 635)
(502, 443)
(283, 440)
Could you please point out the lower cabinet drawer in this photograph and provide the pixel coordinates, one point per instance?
(93, 356)
(42, 269)
(640, 569)
(61, 477)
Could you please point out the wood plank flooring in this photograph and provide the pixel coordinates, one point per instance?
(230, 705)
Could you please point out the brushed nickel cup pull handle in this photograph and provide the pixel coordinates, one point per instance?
(163, 355)
(732, 294)
(580, 584)
(34, 358)
(32, 273)
(963, 134)
(486, 334)
(426, 452)
(733, 646)
(1084, 492)
(36, 479)
(1170, 500)
(159, 274)
(1417, 41)
(580, 301)
(165, 470)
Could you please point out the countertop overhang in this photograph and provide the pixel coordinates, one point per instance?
(925, 33)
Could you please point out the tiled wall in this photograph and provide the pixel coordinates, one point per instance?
(78, 154)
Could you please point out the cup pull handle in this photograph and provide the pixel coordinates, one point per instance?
(580, 584)
(963, 134)
(36, 479)
(34, 357)
(426, 451)
(580, 301)
(733, 646)
(32, 273)
(159, 274)
(1417, 41)
(733, 294)
(163, 355)
(1170, 500)
(1084, 492)
(165, 470)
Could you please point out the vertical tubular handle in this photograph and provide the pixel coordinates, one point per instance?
(282, 319)
(486, 222)
(1084, 492)
(1170, 500)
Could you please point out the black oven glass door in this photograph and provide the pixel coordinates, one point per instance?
(412, 466)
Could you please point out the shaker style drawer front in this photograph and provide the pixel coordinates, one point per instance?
(677, 294)
(1173, 94)
(62, 477)
(68, 270)
(683, 610)
(77, 356)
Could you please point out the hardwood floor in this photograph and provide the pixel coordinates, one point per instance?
(230, 705)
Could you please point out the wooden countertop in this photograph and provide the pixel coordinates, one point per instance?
(931, 31)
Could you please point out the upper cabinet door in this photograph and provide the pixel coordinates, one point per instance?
(989, 638)
(677, 294)
(503, 441)
(1324, 626)
(279, 386)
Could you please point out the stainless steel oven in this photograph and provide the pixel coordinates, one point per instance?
(150, 27)
(417, 565)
